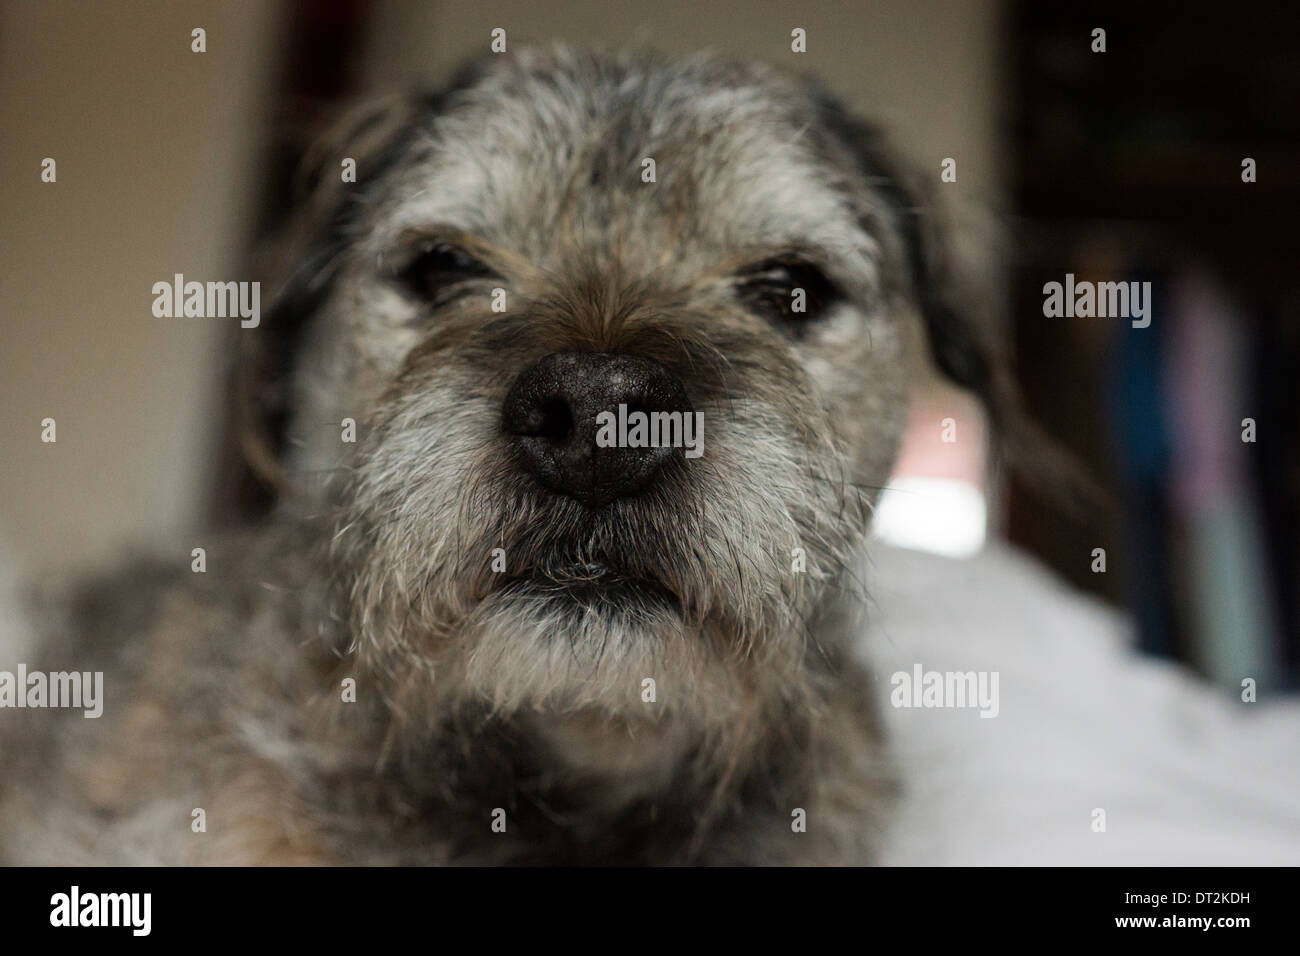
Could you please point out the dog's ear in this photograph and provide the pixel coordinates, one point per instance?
(297, 264)
(965, 340)
(299, 260)
(962, 339)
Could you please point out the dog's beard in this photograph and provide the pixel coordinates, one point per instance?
(687, 586)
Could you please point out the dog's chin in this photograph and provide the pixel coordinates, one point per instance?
(592, 641)
(597, 616)
(619, 599)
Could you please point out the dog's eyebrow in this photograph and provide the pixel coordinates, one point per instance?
(410, 239)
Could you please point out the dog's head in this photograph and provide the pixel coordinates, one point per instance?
(559, 235)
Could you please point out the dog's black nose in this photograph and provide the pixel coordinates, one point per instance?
(551, 413)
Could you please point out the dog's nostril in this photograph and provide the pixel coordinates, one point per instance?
(556, 420)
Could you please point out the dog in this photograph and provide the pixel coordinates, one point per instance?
(476, 635)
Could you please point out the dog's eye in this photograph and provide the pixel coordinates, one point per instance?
(790, 292)
(438, 267)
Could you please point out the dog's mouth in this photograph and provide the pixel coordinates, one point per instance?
(596, 586)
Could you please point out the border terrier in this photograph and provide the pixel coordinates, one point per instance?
(475, 634)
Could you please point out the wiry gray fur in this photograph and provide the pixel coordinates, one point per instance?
(477, 691)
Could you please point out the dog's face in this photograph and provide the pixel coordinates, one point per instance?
(512, 268)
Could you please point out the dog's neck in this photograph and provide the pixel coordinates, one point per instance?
(573, 785)
(578, 788)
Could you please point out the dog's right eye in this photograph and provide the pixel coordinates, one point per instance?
(437, 268)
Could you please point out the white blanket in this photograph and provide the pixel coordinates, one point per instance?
(1185, 774)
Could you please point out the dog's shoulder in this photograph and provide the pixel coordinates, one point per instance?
(194, 658)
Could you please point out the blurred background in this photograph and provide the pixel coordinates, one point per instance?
(1122, 165)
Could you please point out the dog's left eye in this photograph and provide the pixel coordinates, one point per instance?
(438, 267)
(790, 292)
